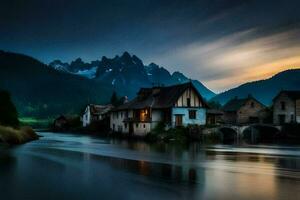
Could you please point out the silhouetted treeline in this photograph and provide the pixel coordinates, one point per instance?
(8, 111)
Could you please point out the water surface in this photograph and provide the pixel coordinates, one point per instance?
(66, 166)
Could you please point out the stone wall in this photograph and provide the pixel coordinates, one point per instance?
(251, 109)
(288, 112)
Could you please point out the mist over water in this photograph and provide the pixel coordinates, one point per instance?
(66, 166)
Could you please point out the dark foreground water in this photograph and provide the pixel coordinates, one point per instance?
(64, 166)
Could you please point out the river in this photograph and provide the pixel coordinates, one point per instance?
(67, 166)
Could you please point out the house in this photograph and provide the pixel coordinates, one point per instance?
(177, 105)
(214, 116)
(243, 111)
(286, 107)
(94, 112)
(60, 123)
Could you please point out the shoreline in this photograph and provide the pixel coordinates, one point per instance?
(176, 137)
(17, 136)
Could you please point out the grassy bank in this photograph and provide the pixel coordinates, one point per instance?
(35, 122)
(10, 135)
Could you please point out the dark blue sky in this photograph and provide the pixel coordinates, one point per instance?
(210, 40)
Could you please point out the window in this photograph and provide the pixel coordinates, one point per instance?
(137, 125)
(192, 114)
(114, 127)
(252, 104)
(188, 102)
(282, 104)
(144, 126)
(292, 118)
(125, 125)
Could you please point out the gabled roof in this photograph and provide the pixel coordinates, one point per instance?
(292, 94)
(235, 104)
(99, 109)
(214, 111)
(158, 97)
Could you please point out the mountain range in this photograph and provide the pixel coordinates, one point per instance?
(264, 90)
(127, 74)
(42, 90)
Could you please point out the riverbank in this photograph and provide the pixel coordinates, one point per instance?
(14, 136)
(257, 134)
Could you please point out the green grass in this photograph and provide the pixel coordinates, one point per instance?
(13, 136)
(35, 122)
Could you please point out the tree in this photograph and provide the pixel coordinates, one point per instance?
(114, 98)
(8, 111)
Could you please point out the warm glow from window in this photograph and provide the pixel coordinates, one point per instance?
(144, 115)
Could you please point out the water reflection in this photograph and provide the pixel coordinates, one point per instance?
(68, 165)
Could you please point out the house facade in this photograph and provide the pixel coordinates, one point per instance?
(214, 116)
(286, 107)
(60, 123)
(243, 111)
(94, 112)
(178, 105)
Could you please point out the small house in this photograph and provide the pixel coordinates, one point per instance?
(214, 116)
(177, 105)
(286, 107)
(94, 112)
(60, 123)
(243, 111)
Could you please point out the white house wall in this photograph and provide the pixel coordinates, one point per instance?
(86, 119)
(141, 129)
(289, 109)
(298, 111)
(194, 99)
(116, 122)
(200, 116)
(157, 116)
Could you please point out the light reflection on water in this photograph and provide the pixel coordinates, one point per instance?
(83, 167)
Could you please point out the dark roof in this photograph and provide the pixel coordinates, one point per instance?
(61, 117)
(99, 109)
(214, 112)
(158, 97)
(293, 94)
(235, 104)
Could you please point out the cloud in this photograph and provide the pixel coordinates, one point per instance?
(238, 58)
